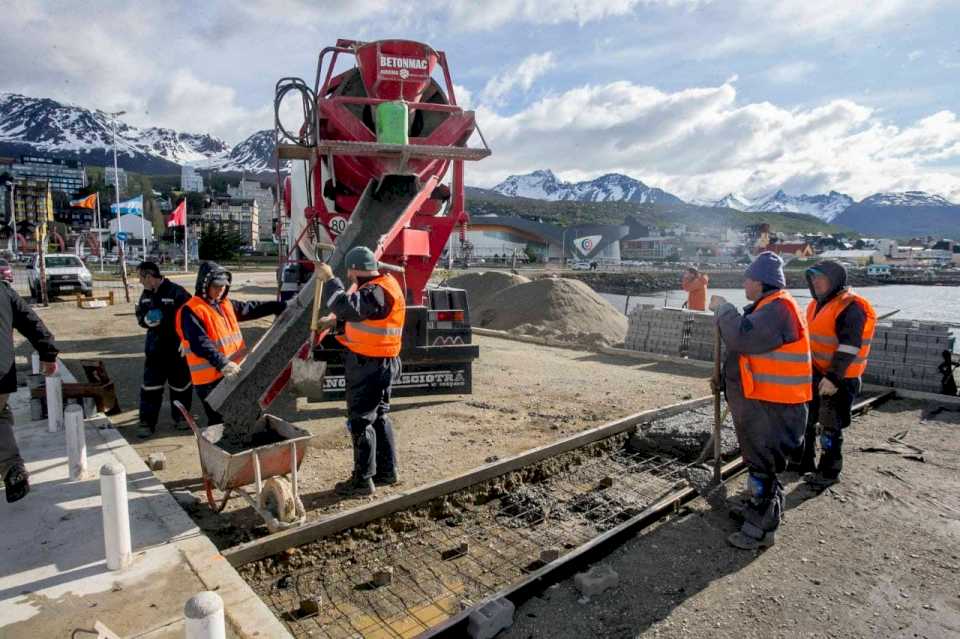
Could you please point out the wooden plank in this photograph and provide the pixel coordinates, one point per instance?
(279, 541)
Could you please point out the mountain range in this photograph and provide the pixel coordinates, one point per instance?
(41, 125)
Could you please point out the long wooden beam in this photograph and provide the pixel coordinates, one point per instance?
(279, 541)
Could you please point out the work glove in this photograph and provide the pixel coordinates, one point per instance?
(716, 301)
(323, 272)
(232, 369)
(827, 388)
(327, 322)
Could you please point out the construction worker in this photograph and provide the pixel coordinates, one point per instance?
(17, 314)
(841, 325)
(766, 376)
(156, 311)
(208, 326)
(372, 320)
(695, 284)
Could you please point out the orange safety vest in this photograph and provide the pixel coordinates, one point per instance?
(823, 333)
(382, 337)
(783, 375)
(223, 331)
(696, 289)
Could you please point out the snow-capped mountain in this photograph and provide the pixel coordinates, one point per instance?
(906, 198)
(612, 187)
(41, 125)
(826, 207)
(904, 214)
(733, 201)
(253, 155)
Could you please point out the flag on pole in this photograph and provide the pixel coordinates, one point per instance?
(89, 202)
(133, 206)
(179, 215)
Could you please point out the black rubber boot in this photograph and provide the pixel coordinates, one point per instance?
(761, 514)
(355, 487)
(386, 480)
(17, 483)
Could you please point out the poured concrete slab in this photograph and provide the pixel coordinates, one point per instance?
(53, 576)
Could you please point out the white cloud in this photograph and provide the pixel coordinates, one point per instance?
(916, 54)
(790, 72)
(521, 76)
(700, 143)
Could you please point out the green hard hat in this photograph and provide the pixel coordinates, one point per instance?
(361, 258)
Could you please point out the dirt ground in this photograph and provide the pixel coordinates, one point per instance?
(524, 396)
(877, 555)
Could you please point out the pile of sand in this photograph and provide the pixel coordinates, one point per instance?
(481, 286)
(557, 308)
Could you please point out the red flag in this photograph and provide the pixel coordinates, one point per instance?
(179, 215)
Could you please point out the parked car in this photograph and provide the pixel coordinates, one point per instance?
(65, 274)
(6, 271)
(581, 266)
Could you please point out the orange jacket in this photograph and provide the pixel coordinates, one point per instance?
(823, 333)
(696, 288)
(783, 375)
(382, 337)
(223, 331)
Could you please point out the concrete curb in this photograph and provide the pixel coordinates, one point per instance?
(246, 613)
(683, 361)
(919, 395)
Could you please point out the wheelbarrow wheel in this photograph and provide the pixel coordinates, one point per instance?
(208, 486)
(277, 499)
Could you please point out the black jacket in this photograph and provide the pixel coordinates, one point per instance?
(850, 321)
(168, 298)
(16, 314)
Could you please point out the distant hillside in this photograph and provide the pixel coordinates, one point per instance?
(487, 202)
(903, 215)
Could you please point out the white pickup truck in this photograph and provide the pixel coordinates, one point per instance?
(65, 274)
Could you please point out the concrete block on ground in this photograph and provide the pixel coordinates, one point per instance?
(596, 580)
(383, 577)
(490, 618)
(156, 461)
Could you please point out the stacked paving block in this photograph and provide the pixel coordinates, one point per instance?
(655, 330)
(670, 331)
(906, 354)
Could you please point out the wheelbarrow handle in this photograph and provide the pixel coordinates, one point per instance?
(191, 422)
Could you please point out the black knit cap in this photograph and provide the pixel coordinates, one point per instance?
(149, 268)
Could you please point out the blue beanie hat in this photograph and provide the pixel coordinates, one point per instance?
(767, 268)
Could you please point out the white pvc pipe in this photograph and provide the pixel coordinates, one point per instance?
(116, 518)
(35, 362)
(204, 617)
(54, 384)
(76, 441)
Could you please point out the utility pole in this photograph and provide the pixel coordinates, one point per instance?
(116, 186)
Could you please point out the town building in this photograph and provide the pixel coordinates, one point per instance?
(235, 215)
(190, 180)
(265, 201)
(134, 226)
(64, 176)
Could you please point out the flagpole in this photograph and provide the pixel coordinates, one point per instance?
(99, 231)
(143, 233)
(186, 245)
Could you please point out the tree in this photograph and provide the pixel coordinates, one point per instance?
(218, 245)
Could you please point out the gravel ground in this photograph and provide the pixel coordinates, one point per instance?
(877, 555)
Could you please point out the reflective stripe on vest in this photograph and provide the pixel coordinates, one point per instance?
(223, 331)
(823, 333)
(783, 375)
(383, 337)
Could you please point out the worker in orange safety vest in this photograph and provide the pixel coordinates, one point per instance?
(841, 325)
(208, 325)
(695, 284)
(766, 378)
(370, 325)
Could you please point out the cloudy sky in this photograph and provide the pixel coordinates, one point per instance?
(698, 97)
